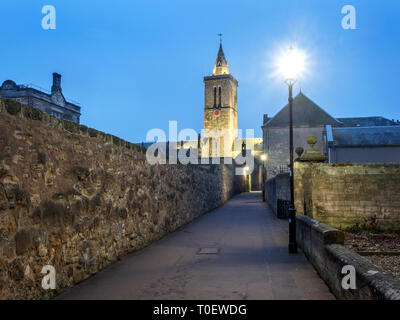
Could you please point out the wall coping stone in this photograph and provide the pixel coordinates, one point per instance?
(329, 234)
(383, 284)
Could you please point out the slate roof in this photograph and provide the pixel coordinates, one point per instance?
(367, 122)
(367, 136)
(305, 113)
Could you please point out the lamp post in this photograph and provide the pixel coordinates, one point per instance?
(291, 66)
(292, 209)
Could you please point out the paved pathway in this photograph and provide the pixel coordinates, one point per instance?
(252, 262)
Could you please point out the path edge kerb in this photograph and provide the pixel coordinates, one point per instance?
(323, 246)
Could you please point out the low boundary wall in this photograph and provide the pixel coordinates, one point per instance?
(323, 246)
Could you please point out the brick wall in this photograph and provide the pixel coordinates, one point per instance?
(77, 199)
(343, 195)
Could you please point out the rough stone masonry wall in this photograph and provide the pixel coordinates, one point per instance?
(77, 199)
(344, 195)
(323, 246)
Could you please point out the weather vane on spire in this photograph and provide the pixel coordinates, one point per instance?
(220, 37)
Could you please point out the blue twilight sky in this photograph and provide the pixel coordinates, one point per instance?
(134, 65)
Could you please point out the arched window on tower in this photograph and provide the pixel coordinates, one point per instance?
(219, 97)
(215, 97)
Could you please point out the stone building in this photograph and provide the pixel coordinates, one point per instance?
(221, 139)
(53, 102)
(340, 140)
(308, 119)
(220, 109)
(221, 122)
(344, 139)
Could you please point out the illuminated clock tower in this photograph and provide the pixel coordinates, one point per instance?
(220, 109)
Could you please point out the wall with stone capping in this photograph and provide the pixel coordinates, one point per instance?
(323, 246)
(77, 199)
(344, 195)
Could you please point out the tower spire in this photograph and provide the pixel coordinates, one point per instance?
(221, 65)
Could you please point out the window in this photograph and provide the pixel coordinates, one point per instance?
(283, 168)
(215, 97)
(219, 97)
(56, 114)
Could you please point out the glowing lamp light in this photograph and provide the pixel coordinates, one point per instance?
(263, 157)
(291, 65)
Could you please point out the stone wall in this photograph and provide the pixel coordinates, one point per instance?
(323, 246)
(344, 195)
(278, 188)
(77, 199)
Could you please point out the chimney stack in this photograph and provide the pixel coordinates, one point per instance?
(265, 118)
(56, 83)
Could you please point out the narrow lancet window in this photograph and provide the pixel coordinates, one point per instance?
(219, 97)
(215, 97)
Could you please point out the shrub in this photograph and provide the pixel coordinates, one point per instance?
(32, 113)
(12, 106)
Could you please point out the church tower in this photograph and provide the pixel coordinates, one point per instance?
(220, 109)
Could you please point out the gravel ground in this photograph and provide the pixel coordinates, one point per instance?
(377, 243)
(372, 242)
(389, 263)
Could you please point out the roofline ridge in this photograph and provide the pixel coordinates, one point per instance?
(364, 117)
(319, 108)
(368, 127)
(323, 110)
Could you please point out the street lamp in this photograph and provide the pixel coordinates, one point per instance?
(291, 66)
